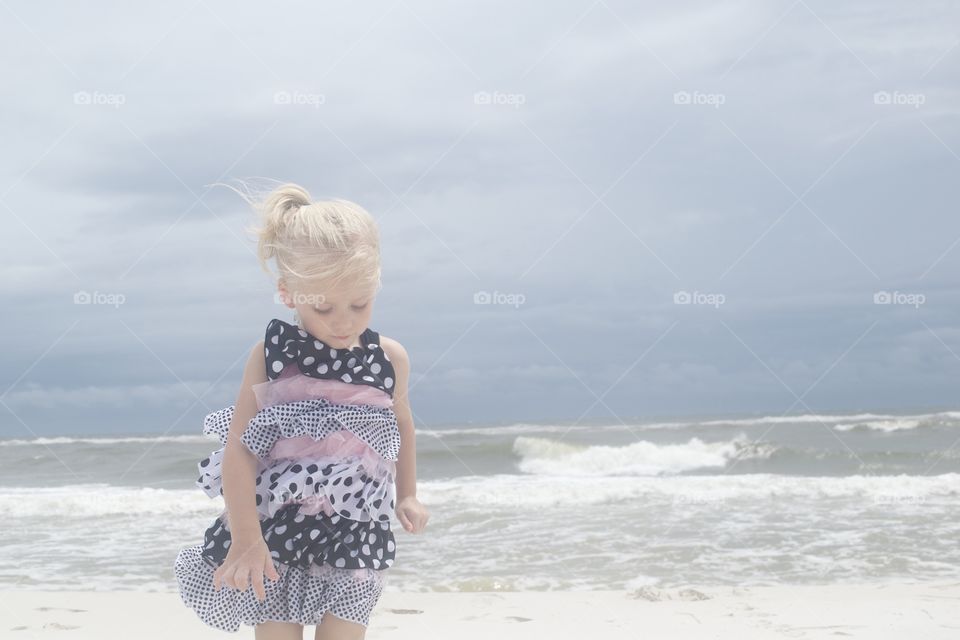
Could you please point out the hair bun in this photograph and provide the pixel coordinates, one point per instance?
(330, 240)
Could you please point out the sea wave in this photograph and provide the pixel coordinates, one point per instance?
(542, 456)
(57, 440)
(842, 422)
(514, 491)
(748, 491)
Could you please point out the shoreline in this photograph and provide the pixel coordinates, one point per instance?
(876, 611)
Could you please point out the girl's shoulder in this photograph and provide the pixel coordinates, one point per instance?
(394, 350)
(255, 369)
(258, 356)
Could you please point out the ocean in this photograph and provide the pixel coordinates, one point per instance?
(810, 499)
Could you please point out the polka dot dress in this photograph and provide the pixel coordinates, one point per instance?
(325, 515)
(301, 596)
(286, 344)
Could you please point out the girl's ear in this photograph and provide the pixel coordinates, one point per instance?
(284, 295)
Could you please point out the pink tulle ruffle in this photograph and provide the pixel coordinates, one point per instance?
(297, 386)
(337, 444)
(341, 458)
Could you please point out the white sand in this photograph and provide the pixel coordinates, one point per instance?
(877, 612)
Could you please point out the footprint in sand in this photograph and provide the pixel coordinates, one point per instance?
(404, 610)
(657, 595)
(647, 593)
(57, 625)
(59, 609)
(519, 619)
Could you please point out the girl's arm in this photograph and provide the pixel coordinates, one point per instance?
(407, 462)
(239, 464)
(412, 515)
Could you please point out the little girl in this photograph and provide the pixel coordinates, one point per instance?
(318, 448)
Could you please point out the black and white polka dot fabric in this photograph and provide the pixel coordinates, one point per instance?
(303, 540)
(300, 595)
(324, 517)
(317, 418)
(356, 489)
(286, 345)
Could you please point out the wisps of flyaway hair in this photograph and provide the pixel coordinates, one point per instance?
(328, 242)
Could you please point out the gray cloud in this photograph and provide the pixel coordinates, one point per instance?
(538, 150)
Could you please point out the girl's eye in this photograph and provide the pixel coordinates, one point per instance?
(355, 307)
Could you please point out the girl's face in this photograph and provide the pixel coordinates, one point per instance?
(335, 316)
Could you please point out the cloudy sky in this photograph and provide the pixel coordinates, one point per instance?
(590, 211)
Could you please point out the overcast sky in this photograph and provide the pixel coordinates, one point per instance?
(592, 165)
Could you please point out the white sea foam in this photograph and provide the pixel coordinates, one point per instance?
(505, 490)
(875, 421)
(96, 500)
(887, 426)
(542, 491)
(103, 440)
(842, 422)
(542, 456)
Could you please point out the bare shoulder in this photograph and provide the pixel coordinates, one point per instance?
(245, 406)
(257, 363)
(397, 354)
(401, 366)
(258, 352)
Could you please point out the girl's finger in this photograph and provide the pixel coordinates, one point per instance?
(270, 570)
(241, 578)
(257, 579)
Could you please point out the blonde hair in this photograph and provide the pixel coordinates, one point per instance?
(329, 241)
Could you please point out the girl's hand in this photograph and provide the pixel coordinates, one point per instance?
(412, 515)
(246, 562)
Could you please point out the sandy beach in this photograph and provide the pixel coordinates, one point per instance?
(928, 611)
